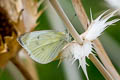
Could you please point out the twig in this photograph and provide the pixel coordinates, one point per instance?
(99, 48)
(32, 69)
(105, 60)
(81, 13)
(71, 30)
(100, 67)
(22, 68)
(66, 21)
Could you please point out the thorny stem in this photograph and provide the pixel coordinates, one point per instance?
(74, 33)
(66, 21)
(105, 60)
(81, 13)
(99, 48)
(22, 68)
(100, 67)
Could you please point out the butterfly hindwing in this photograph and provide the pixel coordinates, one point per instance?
(43, 46)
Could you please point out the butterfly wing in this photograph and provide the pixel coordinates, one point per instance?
(43, 46)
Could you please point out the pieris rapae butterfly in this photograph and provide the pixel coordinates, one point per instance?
(43, 46)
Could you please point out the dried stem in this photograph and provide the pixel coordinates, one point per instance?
(31, 66)
(81, 13)
(66, 21)
(105, 60)
(99, 48)
(100, 67)
(22, 68)
(74, 33)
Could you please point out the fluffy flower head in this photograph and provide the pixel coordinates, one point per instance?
(80, 52)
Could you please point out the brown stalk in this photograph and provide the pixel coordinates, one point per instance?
(29, 62)
(100, 67)
(66, 21)
(13, 26)
(71, 29)
(22, 68)
(99, 48)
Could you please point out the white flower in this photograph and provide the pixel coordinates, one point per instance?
(80, 52)
(98, 25)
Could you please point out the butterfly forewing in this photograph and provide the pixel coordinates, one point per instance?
(43, 46)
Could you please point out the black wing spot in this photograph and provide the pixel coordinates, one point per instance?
(38, 37)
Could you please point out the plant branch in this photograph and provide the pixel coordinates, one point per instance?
(100, 67)
(22, 68)
(81, 13)
(71, 29)
(105, 60)
(66, 21)
(99, 48)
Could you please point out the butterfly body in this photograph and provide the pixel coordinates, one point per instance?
(43, 46)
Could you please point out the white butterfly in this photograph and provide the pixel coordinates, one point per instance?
(43, 46)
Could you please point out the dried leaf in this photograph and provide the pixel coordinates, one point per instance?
(30, 14)
(12, 49)
(9, 30)
(3, 47)
(12, 24)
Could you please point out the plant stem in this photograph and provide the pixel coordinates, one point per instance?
(100, 67)
(81, 13)
(22, 68)
(71, 29)
(66, 21)
(105, 60)
(99, 48)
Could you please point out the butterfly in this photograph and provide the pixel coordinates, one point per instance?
(43, 46)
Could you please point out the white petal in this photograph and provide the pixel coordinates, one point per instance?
(99, 17)
(99, 25)
(108, 16)
(79, 52)
(111, 22)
